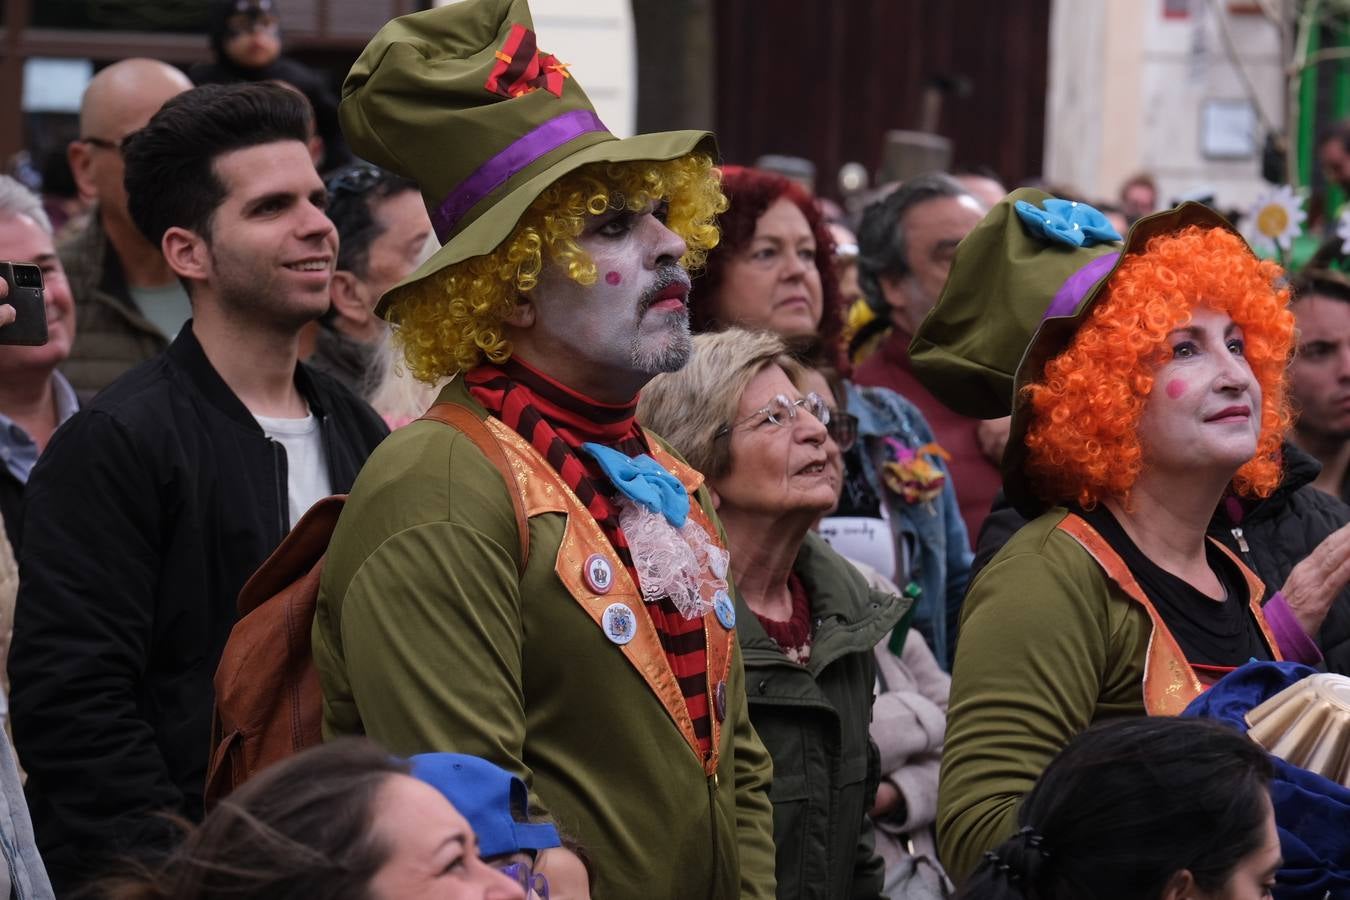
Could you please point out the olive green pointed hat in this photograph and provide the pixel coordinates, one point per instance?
(463, 101)
(1020, 285)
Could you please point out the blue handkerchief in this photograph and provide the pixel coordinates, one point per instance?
(644, 481)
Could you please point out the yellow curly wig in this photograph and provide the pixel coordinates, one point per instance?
(454, 318)
(1082, 442)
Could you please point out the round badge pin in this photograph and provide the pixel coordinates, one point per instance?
(619, 623)
(598, 573)
(720, 701)
(725, 609)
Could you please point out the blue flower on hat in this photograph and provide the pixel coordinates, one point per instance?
(1067, 222)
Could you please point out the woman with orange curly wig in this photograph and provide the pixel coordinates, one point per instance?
(1146, 384)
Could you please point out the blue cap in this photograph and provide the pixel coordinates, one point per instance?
(489, 797)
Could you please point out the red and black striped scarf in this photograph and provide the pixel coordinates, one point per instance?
(556, 421)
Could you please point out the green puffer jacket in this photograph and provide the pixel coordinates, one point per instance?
(814, 720)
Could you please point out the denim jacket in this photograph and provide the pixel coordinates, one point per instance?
(939, 554)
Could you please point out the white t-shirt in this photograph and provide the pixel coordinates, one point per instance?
(306, 467)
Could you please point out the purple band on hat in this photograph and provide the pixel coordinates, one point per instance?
(517, 156)
(1077, 285)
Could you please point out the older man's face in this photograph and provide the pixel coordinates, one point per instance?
(23, 240)
(932, 232)
(121, 99)
(609, 338)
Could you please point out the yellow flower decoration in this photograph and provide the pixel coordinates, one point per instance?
(1276, 219)
(912, 473)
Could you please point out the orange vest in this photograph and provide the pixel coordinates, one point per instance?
(543, 490)
(1170, 682)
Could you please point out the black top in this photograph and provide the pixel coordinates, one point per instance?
(857, 497)
(1210, 632)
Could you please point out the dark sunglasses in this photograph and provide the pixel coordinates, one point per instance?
(843, 428)
(354, 179)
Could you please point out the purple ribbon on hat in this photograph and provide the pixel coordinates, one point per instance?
(1076, 286)
(518, 155)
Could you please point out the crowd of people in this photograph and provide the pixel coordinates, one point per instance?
(697, 540)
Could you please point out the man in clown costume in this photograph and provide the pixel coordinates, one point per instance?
(548, 591)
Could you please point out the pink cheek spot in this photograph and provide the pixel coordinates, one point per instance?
(613, 278)
(1175, 388)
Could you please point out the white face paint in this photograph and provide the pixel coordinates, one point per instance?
(1205, 409)
(611, 337)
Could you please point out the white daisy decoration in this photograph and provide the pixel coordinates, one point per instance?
(1276, 219)
(1343, 231)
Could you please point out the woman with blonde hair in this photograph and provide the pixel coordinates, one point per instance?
(741, 413)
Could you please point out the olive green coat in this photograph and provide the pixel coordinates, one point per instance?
(426, 638)
(814, 719)
(1049, 645)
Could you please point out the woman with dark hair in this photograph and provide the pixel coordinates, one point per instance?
(1142, 809)
(1147, 383)
(342, 821)
(774, 267)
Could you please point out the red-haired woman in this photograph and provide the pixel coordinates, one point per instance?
(1147, 383)
(773, 269)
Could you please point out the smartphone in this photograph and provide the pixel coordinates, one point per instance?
(29, 328)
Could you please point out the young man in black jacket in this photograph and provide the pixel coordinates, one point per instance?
(153, 505)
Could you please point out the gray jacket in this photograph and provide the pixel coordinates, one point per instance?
(111, 335)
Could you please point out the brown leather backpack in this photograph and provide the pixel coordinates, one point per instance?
(268, 705)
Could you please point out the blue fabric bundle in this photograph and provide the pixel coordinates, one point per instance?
(1311, 812)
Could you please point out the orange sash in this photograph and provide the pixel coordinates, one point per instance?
(1170, 682)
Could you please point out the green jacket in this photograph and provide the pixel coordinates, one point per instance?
(814, 720)
(1049, 645)
(111, 335)
(426, 638)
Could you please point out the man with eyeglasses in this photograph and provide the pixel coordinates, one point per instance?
(128, 302)
(383, 232)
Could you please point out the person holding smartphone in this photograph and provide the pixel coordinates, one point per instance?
(35, 398)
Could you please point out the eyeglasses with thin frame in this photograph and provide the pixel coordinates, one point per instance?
(782, 410)
(102, 143)
(524, 875)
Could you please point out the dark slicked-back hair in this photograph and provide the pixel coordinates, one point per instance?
(170, 163)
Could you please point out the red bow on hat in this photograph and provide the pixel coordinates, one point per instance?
(521, 68)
